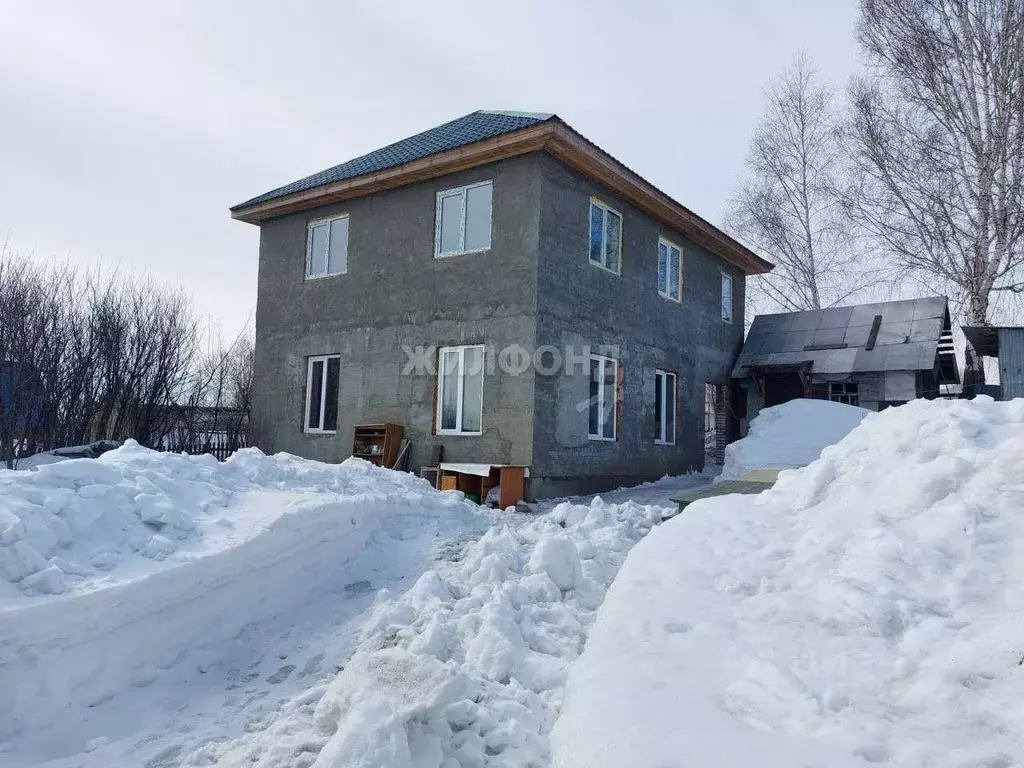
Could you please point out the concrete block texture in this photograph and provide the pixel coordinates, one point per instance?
(580, 305)
(396, 296)
(533, 287)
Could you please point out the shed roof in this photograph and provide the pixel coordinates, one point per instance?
(839, 339)
(985, 338)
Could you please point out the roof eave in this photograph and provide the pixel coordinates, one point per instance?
(553, 136)
(522, 141)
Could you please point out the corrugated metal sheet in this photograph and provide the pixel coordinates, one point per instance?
(1011, 362)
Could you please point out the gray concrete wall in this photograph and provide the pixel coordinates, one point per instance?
(396, 293)
(580, 305)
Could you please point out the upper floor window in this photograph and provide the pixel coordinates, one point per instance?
(322, 375)
(603, 411)
(463, 220)
(327, 247)
(665, 407)
(726, 298)
(670, 267)
(460, 390)
(605, 237)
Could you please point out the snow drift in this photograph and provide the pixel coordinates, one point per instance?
(115, 568)
(467, 668)
(869, 609)
(71, 525)
(790, 435)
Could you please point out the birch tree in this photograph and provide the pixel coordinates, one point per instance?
(937, 128)
(788, 207)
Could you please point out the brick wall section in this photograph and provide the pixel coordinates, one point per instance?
(723, 424)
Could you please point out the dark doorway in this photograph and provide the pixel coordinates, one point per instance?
(780, 388)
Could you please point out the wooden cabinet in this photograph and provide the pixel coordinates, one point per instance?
(377, 443)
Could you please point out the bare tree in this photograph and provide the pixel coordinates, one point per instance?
(85, 356)
(938, 133)
(788, 207)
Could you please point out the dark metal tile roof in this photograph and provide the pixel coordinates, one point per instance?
(471, 128)
(834, 340)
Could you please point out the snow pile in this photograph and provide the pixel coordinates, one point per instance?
(790, 435)
(159, 555)
(869, 609)
(67, 524)
(467, 668)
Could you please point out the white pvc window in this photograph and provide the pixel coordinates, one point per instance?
(322, 375)
(327, 247)
(726, 298)
(604, 376)
(670, 269)
(605, 237)
(665, 407)
(460, 390)
(463, 220)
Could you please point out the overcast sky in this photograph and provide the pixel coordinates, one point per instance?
(128, 128)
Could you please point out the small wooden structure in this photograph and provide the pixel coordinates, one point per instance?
(377, 443)
(869, 355)
(475, 480)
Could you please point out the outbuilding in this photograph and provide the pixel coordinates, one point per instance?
(1006, 345)
(871, 355)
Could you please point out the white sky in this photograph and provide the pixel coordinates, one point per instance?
(128, 128)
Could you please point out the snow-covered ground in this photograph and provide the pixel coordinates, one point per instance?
(790, 435)
(867, 610)
(144, 596)
(163, 610)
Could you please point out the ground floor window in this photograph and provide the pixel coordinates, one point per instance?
(664, 408)
(843, 392)
(604, 376)
(460, 390)
(322, 375)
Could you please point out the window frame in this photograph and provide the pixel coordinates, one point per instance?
(328, 220)
(463, 192)
(605, 210)
(663, 422)
(846, 396)
(726, 277)
(679, 276)
(600, 402)
(460, 395)
(310, 360)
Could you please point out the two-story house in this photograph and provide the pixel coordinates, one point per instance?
(503, 287)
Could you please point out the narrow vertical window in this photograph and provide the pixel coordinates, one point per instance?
(327, 247)
(603, 410)
(669, 269)
(726, 298)
(460, 390)
(605, 237)
(665, 402)
(463, 220)
(323, 373)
